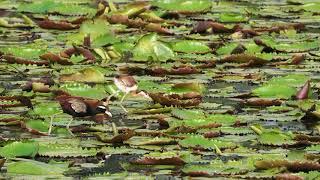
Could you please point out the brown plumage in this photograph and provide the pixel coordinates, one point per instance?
(126, 80)
(79, 107)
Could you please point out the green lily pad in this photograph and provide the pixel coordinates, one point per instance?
(188, 113)
(99, 31)
(47, 109)
(274, 137)
(225, 119)
(199, 141)
(311, 7)
(281, 87)
(232, 18)
(28, 51)
(184, 5)
(275, 91)
(188, 46)
(64, 150)
(39, 7)
(19, 149)
(46, 6)
(84, 90)
(217, 167)
(153, 87)
(227, 49)
(38, 125)
(85, 75)
(150, 48)
(294, 80)
(35, 168)
(105, 39)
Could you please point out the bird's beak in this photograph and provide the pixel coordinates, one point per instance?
(108, 113)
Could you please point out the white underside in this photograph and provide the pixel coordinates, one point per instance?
(124, 88)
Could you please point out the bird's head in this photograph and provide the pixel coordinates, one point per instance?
(103, 108)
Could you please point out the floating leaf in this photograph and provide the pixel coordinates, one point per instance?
(84, 75)
(165, 158)
(187, 113)
(291, 80)
(184, 100)
(35, 168)
(103, 40)
(99, 32)
(19, 149)
(150, 48)
(84, 90)
(201, 142)
(28, 51)
(46, 6)
(37, 126)
(290, 165)
(64, 150)
(216, 167)
(47, 109)
(281, 87)
(276, 138)
(152, 87)
(275, 91)
(226, 49)
(232, 18)
(312, 7)
(39, 7)
(188, 46)
(184, 6)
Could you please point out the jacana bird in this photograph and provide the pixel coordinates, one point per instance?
(125, 84)
(81, 107)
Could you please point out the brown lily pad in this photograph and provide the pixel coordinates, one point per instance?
(123, 135)
(294, 166)
(262, 102)
(23, 101)
(59, 25)
(17, 60)
(246, 60)
(184, 100)
(55, 59)
(160, 161)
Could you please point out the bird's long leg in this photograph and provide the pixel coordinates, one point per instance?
(114, 94)
(51, 122)
(122, 99)
(68, 127)
(50, 126)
